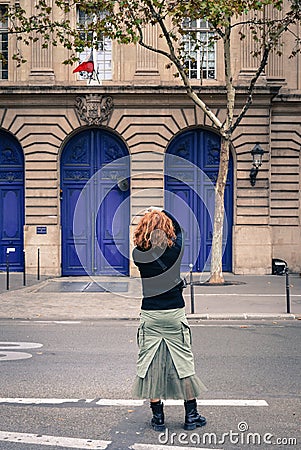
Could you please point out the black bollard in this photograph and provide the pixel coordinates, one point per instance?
(287, 286)
(38, 274)
(191, 290)
(24, 269)
(7, 271)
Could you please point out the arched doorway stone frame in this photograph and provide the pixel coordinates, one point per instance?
(232, 172)
(77, 132)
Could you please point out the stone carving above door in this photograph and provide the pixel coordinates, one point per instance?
(94, 109)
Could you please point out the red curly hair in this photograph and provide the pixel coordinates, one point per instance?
(154, 229)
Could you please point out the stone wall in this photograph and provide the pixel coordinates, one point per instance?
(266, 217)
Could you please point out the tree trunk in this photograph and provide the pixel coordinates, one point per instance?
(217, 241)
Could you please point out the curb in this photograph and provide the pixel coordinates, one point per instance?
(243, 316)
(191, 317)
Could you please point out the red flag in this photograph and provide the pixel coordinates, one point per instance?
(87, 65)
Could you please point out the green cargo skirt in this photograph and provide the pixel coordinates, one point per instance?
(165, 366)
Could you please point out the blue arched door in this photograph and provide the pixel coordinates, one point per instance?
(11, 201)
(189, 193)
(97, 242)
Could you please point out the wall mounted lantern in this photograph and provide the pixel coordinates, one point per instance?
(256, 153)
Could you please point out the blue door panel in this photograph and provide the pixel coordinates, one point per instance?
(12, 226)
(227, 232)
(113, 255)
(11, 202)
(79, 228)
(201, 148)
(112, 231)
(71, 256)
(11, 219)
(207, 210)
(91, 244)
(178, 209)
(75, 257)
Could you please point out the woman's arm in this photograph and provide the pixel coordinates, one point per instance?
(178, 229)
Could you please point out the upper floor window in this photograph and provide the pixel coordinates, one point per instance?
(102, 56)
(200, 49)
(3, 43)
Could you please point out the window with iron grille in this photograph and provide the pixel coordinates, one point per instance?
(199, 48)
(102, 56)
(3, 43)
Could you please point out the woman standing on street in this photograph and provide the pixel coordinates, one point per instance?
(165, 366)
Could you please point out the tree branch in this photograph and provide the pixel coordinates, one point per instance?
(175, 60)
(251, 88)
(228, 76)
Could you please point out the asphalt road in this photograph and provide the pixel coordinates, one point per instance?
(79, 365)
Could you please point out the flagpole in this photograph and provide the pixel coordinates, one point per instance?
(94, 50)
(85, 66)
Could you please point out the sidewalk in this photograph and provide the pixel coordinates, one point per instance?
(86, 298)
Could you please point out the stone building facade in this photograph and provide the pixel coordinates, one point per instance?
(57, 130)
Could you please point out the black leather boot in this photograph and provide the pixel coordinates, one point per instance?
(158, 416)
(192, 418)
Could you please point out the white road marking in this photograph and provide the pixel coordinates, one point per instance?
(11, 356)
(7, 355)
(63, 322)
(164, 447)
(129, 402)
(19, 345)
(54, 441)
(220, 402)
(119, 402)
(44, 401)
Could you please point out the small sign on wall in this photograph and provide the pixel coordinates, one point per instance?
(41, 230)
